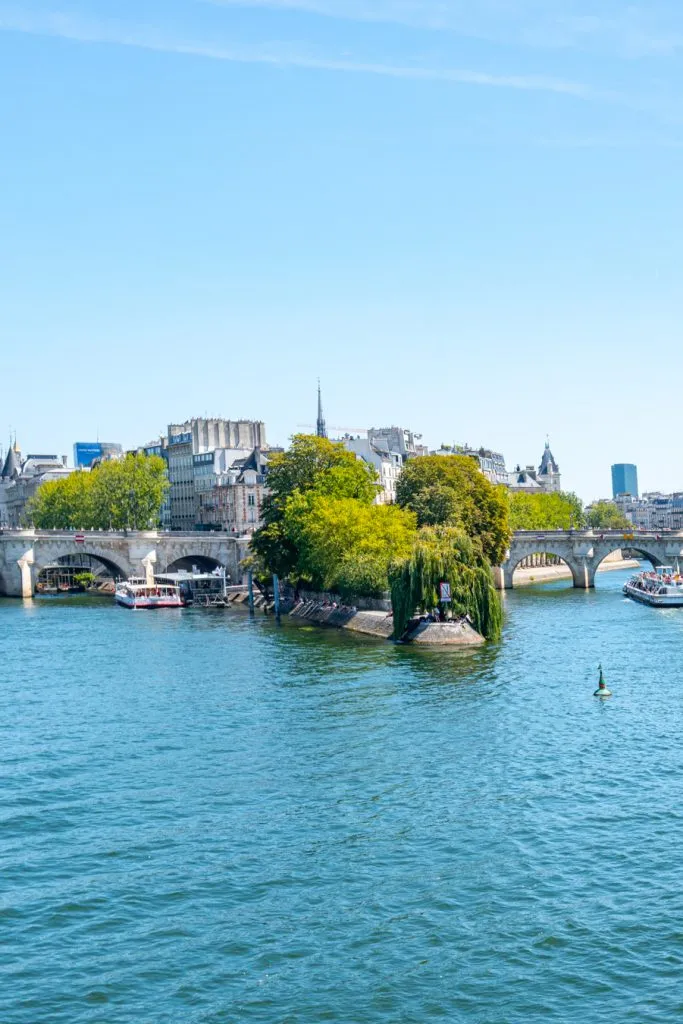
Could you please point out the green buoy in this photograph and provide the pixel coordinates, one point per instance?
(602, 690)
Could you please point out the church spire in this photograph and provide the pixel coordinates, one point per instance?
(320, 428)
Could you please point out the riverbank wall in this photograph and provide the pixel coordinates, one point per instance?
(374, 617)
(369, 621)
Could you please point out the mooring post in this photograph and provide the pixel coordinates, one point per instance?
(250, 585)
(276, 596)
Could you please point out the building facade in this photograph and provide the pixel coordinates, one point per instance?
(234, 500)
(624, 479)
(653, 511)
(387, 464)
(546, 478)
(193, 465)
(20, 479)
(397, 439)
(491, 464)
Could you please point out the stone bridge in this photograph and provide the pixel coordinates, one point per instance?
(584, 550)
(24, 553)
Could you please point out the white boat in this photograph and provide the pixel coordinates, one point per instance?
(139, 593)
(662, 588)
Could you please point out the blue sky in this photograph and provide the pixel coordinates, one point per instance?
(464, 217)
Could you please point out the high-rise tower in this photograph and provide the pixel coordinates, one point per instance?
(320, 428)
(624, 479)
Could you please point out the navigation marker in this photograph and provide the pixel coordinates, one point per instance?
(602, 690)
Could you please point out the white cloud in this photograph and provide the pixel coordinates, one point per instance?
(279, 55)
(655, 28)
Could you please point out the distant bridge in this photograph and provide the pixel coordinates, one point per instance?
(584, 551)
(24, 553)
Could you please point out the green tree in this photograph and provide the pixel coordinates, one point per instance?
(449, 490)
(84, 579)
(445, 555)
(345, 545)
(123, 494)
(312, 465)
(62, 504)
(605, 515)
(317, 464)
(128, 494)
(560, 510)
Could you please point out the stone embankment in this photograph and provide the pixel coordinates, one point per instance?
(376, 619)
(369, 616)
(446, 634)
(371, 622)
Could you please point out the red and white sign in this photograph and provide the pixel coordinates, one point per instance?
(79, 538)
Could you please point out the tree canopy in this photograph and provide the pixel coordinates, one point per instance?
(605, 515)
(346, 546)
(312, 467)
(116, 495)
(449, 490)
(560, 510)
(321, 527)
(446, 555)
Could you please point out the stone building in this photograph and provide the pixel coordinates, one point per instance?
(398, 439)
(21, 478)
(653, 511)
(187, 442)
(546, 478)
(231, 495)
(491, 464)
(387, 464)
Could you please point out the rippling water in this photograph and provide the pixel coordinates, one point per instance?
(208, 819)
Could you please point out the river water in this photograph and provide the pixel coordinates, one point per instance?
(205, 818)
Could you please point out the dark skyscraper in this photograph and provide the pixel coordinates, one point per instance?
(624, 479)
(320, 428)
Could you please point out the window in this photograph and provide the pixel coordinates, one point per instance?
(251, 500)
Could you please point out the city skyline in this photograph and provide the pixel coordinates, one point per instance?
(337, 434)
(461, 217)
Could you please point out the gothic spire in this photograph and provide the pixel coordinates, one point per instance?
(320, 428)
(12, 466)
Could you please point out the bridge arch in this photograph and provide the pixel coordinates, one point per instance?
(520, 554)
(117, 567)
(601, 552)
(205, 563)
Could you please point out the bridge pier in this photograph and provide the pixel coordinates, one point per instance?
(583, 573)
(27, 578)
(502, 577)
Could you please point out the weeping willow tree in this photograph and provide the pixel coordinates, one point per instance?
(446, 555)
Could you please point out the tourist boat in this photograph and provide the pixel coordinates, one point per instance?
(139, 593)
(174, 590)
(662, 588)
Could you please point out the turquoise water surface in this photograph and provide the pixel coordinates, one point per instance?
(205, 818)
